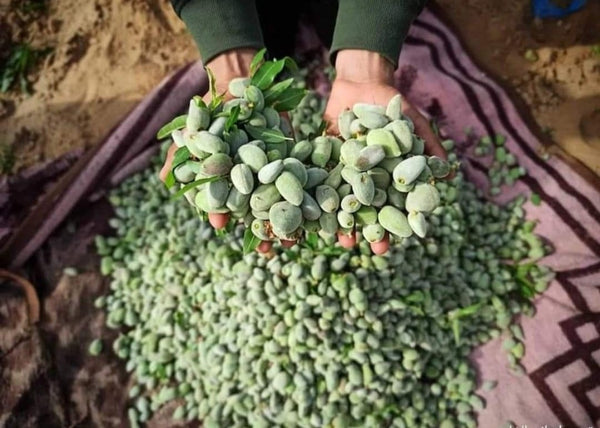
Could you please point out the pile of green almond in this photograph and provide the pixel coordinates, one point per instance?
(239, 157)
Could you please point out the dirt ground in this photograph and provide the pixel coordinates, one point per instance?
(107, 54)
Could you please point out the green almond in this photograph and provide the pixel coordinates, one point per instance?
(310, 208)
(270, 172)
(290, 188)
(285, 217)
(252, 156)
(264, 197)
(344, 120)
(301, 150)
(385, 139)
(409, 169)
(423, 198)
(321, 153)
(350, 204)
(394, 108)
(364, 188)
(403, 135)
(418, 223)
(368, 157)
(297, 168)
(242, 178)
(216, 164)
(394, 221)
(315, 176)
(350, 150)
(327, 198)
(373, 232)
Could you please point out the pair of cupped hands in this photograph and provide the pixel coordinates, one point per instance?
(361, 77)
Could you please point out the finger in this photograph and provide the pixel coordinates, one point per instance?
(164, 171)
(381, 247)
(264, 247)
(423, 129)
(218, 221)
(347, 241)
(287, 244)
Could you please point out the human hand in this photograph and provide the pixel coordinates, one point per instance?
(367, 77)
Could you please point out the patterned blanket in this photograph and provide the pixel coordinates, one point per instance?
(48, 380)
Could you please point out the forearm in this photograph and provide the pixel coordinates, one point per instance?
(219, 26)
(379, 26)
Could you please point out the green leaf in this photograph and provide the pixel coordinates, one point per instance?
(170, 180)
(469, 310)
(193, 184)
(212, 84)
(276, 90)
(322, 127)
(536, 199)
(312, 240)
(257, 60)
(181, 155)
(233, 117)
(267, 135)
(289, 99)
(250, 241)
(456, 330)
(290, 64)
(177, 123)
(199, 101)
(267, 73)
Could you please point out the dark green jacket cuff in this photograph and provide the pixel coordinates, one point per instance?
(378, 26)
(220, 25)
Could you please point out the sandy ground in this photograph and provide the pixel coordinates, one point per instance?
(109, 53)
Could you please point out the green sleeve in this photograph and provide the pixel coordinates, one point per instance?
(220, 25)
(378, 26)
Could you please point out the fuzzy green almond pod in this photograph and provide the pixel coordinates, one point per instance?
(418, 147)
(197, 118)
(440, 168)
(349, 174)
(350, 204)
(403, 135)
(418, 223)
(191, 142)
(285, 217)
(344, 120)
(310, 208)
(321, 151)
(242, 178)
(385, 139)
(297, 168)
(238, 85)
(258, 120)
(177, 136)
(334, 179)
(356, 127)
(364, 188)
(254, 96)
(366, 215)
(426, 175)
(409, 169)
(327, 198)
(201, 202)
(345, 219)
(261, 215)
(368, 157)
(373, 232)
(301, 150)
(95, 347)
(236, 138)
(273, 155)
(424, 198)
(394, 221)
(389, 164)
(314, 177)
(280, 147)
(270, 172)
(216, 164)
(396, 198)
(380, 198)
(311, 225)
(217, 192)
(237, 201)
(381, 177)
(336, 148)
(364, 109)
(272, 117)
(260, 229)
(217, 127)
(394, 108)
(209, 143)
(259, 143)
(264, 197)
(404, 188)
(186, 172)
(373, 120)
(328, 222)
(344, 190)
(350, 150)
(252, 156)
(290, 188)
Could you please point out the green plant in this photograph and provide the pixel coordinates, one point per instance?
(17, 66)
